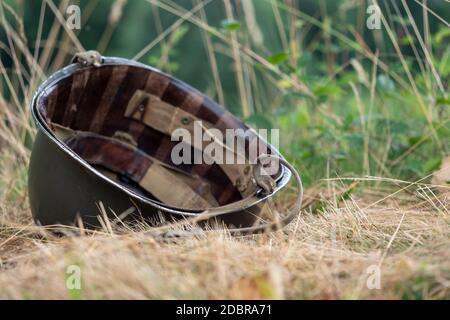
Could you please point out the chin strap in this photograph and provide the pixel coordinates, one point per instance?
(264, 181)
(268, 184)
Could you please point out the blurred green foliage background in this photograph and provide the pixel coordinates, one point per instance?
(376, 101)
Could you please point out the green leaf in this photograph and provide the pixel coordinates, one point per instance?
(340, 155)
(348, 120)
(407, 40)
(356, 139)
(443, 100)
(284, 120)
(278, 58)
(394, 126)
(326, 89)
(431, 165)
(178, 34)
(302, 117)
(230, 25)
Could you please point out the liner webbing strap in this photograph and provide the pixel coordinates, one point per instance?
(168, 186)
(277, 224)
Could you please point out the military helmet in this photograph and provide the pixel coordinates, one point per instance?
(106, 136)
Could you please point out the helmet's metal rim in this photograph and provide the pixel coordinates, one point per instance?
(67, 71)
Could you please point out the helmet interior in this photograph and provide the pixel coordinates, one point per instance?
(120, 119)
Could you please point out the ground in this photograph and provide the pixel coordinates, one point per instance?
(383, 242)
